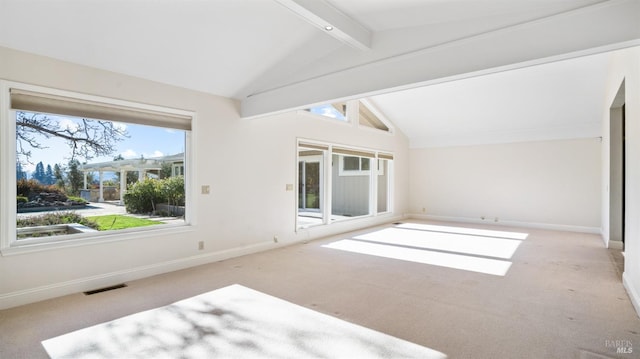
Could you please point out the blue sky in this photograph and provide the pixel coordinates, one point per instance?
(328, 110)
(143, 140)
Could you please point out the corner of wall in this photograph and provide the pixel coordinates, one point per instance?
(604, 234)
(632, 291)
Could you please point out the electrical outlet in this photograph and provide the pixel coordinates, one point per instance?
(496, 219)
(424, 209)
(206, 189)
(289, 187)
(275, 239)
(200, 245)
(482, 218)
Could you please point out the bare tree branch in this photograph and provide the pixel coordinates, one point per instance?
(86, 139)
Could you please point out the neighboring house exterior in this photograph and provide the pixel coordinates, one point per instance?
(143, 166)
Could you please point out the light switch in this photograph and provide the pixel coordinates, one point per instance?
(289, 187)
(206, 189)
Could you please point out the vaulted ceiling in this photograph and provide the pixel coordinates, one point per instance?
(444, 71)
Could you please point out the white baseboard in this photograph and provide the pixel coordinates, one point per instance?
(614, 244)
(348, 225)
(604, 234)
(555, 227)
(54, 290)
(634, 295)
(37, 294)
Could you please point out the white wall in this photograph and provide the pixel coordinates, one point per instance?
(552, 184)
(350, 194)
(615, 180)
(247, 163)
(625, 66)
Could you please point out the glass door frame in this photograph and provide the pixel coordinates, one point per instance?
(302, 170)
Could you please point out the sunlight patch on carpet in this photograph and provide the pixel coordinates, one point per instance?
(449, 260)
(232, 322)
(470, 249)
(450, 242)
(465, 230)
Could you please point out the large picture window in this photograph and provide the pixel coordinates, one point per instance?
(86, 167)
(338, 183)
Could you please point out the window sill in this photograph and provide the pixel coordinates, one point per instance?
(26, 246)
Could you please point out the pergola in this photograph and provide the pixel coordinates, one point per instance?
(140, 165)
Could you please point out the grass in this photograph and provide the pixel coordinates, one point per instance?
(77, 199)
(115, 221)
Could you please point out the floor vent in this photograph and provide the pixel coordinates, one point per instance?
(105, 289)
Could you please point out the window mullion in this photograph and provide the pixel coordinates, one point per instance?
(328, 185)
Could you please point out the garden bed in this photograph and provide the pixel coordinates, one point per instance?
(52, 230)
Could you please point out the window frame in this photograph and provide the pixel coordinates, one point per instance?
(377, 113)
(328, 150)
(353, 115)
(345, 119)
(359, 172)
(9, 245)
(177, 169)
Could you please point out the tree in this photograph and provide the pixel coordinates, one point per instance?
(57, 174)
(92, 178)
(165, 170)
(74, 177)
(172, 189)
(20, 173)
(86, 138)
(39, 174)
(49, 177)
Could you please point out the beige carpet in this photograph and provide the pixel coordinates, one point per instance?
(561, 296)
(232, 322)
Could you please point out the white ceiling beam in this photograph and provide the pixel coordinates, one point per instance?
(603, 27)
(331, 21)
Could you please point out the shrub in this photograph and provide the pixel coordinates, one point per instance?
(55, 218)
(142, 196)
(32, 188)
(172, 190)
(21, 199)
(77, 199)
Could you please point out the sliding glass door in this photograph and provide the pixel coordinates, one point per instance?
(311, 188)
(339, 183)
(309, 185)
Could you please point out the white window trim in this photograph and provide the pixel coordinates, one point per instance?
(9, 245)
(379, 114)
(346, 114)
(315, 116)
(373, 200)
(358, 172)
(390, 187)
(353, 116)
(380, 169)
(320, 160)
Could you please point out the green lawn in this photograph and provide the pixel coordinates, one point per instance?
(115, 221)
